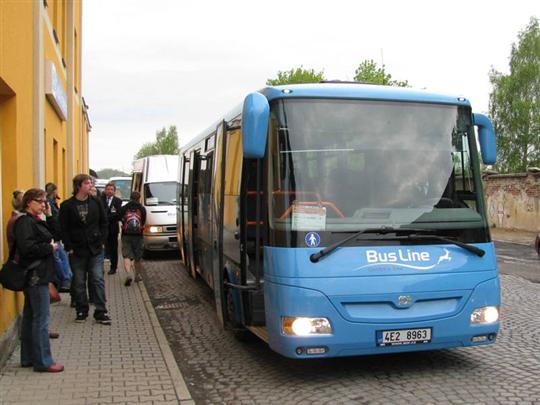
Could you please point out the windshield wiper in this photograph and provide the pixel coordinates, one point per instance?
(383, 230)
(315, 257)
(466, 246)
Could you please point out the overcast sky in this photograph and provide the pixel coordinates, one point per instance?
(151, 64)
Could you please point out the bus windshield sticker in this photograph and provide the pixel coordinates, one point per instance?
(312, 239)
(308, 218)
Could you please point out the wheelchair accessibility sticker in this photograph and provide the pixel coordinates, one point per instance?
(312, 239)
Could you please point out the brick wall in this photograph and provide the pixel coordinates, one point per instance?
(513, 200)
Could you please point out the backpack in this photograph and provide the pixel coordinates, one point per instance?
(131, 222)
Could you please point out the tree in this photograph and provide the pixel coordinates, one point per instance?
(296, 76)
(369, 72)
(514, 104)
(166, 144)
(108, 173)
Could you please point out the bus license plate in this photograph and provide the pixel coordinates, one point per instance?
(403, 337)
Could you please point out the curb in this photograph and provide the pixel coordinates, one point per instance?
(180, 387)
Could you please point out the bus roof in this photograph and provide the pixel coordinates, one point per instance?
(360, 91)
(338, 90)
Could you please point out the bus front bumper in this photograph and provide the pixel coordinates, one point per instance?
(350, 337)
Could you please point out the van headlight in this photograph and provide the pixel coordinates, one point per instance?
(301, 326)
(485, 315)
(156, 229)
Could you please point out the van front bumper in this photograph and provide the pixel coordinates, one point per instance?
(168, 241)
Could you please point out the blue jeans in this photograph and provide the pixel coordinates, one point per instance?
(90, 266)
(63, 272)
(35, 344)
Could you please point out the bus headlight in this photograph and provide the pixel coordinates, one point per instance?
(300, 326)
(155, 229)
(485, 315)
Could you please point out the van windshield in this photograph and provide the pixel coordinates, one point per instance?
(123, 188)
(160, 193)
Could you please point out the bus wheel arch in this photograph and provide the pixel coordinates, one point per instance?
(232, 304)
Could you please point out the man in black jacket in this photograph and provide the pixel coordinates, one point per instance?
(112, 206)
(84, 231)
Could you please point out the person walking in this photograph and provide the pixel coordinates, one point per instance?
(35, 247)
(84, 230)
(112, 206)
(133, 216)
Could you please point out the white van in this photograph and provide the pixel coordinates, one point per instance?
(123, 187)
(155, 178)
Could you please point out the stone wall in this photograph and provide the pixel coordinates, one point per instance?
(513, 200)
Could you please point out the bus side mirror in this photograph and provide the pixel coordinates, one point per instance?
(255, 115)
(486, 137)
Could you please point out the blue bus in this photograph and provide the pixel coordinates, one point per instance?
(342, 219)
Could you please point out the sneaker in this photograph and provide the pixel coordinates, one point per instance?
(81, 317)
(138, 278)
(103, 319)
(128, 281)
(111, 271)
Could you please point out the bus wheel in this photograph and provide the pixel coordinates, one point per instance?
(239, 331)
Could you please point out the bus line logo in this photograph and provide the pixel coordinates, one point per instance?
(406, 258)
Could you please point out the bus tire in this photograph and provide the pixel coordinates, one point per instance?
(238, 330)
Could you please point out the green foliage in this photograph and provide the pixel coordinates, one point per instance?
(108, 173)
(370, 72)
(166, 144)
(296, 76)
(514, 104)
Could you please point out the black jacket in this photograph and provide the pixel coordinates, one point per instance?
(84, 238)
(33, 242)
(113, 212)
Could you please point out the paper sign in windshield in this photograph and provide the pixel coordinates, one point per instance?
(308, 218)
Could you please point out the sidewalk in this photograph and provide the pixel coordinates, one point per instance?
(513, 236)
(127, 362)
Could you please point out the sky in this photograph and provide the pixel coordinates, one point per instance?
(152, 64)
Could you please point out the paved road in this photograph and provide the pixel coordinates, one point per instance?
(219, 369)
(518, 259)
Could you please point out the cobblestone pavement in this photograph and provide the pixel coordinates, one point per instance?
(219, 369)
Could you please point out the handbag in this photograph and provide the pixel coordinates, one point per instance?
(13, 276)
(53, 294)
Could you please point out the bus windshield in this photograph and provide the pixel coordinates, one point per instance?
(346, 165)
(160, 193)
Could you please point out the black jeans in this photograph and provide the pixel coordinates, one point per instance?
(81, 266)
(111, 248)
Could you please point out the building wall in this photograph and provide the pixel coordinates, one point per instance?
(513, 201)
(37, 144)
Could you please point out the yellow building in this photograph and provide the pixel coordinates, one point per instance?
(43, 120)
